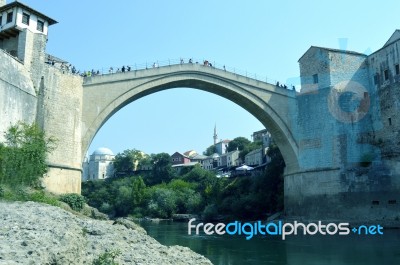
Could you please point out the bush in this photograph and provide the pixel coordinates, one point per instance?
(210, 212)
(23, 157)
(41, 196)
(162, 203)
(107, 258)
(75, 201)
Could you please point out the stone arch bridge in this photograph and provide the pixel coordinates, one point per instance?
(104, 95)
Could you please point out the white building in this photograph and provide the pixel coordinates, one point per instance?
(20, 29)
(229, 159)
(255, 157)
(100, 165)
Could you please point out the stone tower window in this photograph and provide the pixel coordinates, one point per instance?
(1, 20)
(40, 26)
(315, 78)
(390, 121)
(386, 73)
(25, 18)
(396, 67)
(9, 17)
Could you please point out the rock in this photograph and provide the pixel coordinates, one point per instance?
(33, 233)
(130, 225)
(184, 217)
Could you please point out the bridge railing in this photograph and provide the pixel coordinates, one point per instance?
(170, 62)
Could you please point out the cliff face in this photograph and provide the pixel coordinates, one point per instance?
(32, 233)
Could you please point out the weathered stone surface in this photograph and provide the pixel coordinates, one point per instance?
(32, 233)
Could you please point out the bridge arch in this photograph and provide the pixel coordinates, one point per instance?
(105, 95)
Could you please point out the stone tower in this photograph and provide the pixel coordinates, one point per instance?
(215, 135)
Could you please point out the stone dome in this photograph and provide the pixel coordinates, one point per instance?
(215, 156)
(103, 151)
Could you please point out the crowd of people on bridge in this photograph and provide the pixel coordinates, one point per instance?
(67, 67)
(284, 85)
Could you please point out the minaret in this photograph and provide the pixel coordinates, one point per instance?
(215, 134)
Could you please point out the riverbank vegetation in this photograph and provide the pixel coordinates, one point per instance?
(23, 164)
(161, 192)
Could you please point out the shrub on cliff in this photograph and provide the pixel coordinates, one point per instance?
(23, 155)
(75, 201)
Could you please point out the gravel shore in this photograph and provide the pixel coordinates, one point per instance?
(34, 233)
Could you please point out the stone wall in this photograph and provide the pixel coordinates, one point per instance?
(17, 95)
(387, 87)
(59, 114)
(338, 119)
(362, 194)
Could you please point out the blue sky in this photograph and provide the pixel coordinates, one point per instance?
(265, 38)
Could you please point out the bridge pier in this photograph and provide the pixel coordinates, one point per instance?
(334, 194)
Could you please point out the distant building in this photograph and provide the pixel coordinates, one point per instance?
(180, 161)
(262, 136)
(190, 153)
(211, 162)
(198, 158)
(229, 160)
(178, 158)
(222, 146)
(255, 157)
(100, 165)
(215, 136)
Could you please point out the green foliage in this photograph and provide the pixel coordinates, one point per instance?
(212, 149)
(162, 169)
(210, 212)
(107, 258)
(75, 201)
(41, 196)
(162, 202)
(197, 192)
(239, 143)
(21, 193)
(128, 161)
(243, 145)
(23, 157)
(138, 191)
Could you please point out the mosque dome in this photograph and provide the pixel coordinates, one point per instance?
(103, 151)
(215, 156)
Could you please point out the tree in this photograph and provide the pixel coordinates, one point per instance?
(138, 191)
(162, 168)
(212, 149)
(128, 160)
(243, 145)
(239, 143)
(23, 157)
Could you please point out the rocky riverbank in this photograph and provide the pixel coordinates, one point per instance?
(33, 233)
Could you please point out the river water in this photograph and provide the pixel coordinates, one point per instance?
(295, 250)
